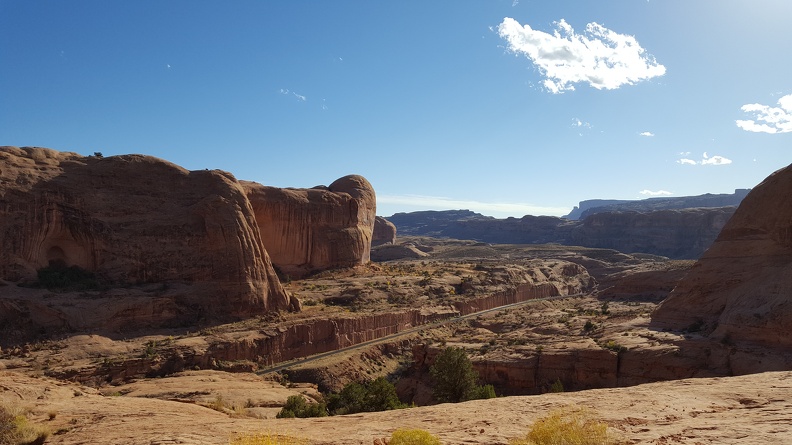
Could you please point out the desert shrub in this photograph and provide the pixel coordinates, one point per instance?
(567, 426)
(15, 428)
(455, 379)
(296, 406)
(413, 437)
(58, 277)
(378, 395)
(266, 439)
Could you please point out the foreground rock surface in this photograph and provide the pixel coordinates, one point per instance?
(132, 221)
(740, 291)
(307, 230)
(734, 410)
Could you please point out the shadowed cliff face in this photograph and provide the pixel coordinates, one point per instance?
(740, 291)
(307, 230)
(133, 220)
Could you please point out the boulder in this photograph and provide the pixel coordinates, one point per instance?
(740, 291)
(132, 220)
(384, 232)
(309, 230)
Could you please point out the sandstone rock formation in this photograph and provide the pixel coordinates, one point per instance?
(131, 220)
(740, 291)
(307, 230)
(384, 232)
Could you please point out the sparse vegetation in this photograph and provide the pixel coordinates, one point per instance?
(567, 426)
(60, 278)
(377, 395)
(16, 429)
(266, 439)
(413, 437)
(455, 379)
(297, 406)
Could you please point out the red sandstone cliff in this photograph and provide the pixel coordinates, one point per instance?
(384, 232)
(132, 220)
(306, 230)
(740, 291)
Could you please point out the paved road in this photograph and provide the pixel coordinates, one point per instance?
(286, 365)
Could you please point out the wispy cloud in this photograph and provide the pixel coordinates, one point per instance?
(655, 193)
(647, 134)
(600, 57)
(299, 97)
(580, 125)
(767, 119)
(498, 209)
(705, 160)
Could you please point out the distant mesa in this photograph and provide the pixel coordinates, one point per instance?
(673, 233)
(740, 291)
(592, 206)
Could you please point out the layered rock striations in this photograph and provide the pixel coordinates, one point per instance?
(592, 206)
(308, 230)
(740, 291)
(132, 220)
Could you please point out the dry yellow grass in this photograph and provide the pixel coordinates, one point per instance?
(413, 437)
(571, 425)
(16, 429)
(267, 438)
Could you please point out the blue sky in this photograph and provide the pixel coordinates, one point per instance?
(504, 107)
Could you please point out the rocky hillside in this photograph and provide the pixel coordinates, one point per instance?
(679, 234)
(740, 291)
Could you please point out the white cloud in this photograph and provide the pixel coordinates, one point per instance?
(657, 193)
(715, 160)
(497, 209)
(769, 119)
(299, 97)
(705, 160)
(577, 123)
(600, 57)
(647, 134)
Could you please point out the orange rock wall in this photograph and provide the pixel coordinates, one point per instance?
(307, 230)
(133, 220)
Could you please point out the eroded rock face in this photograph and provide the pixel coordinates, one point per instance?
(134, 220)
(740, 291)
(307, 230)
(384, 232)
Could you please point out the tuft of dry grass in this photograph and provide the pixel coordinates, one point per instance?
(572, 425)
(266, 438)
(16, 429)
(413, 437)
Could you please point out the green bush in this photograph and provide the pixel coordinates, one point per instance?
(296, 406)
(455, 379)
(378, 395)
(413, 437)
